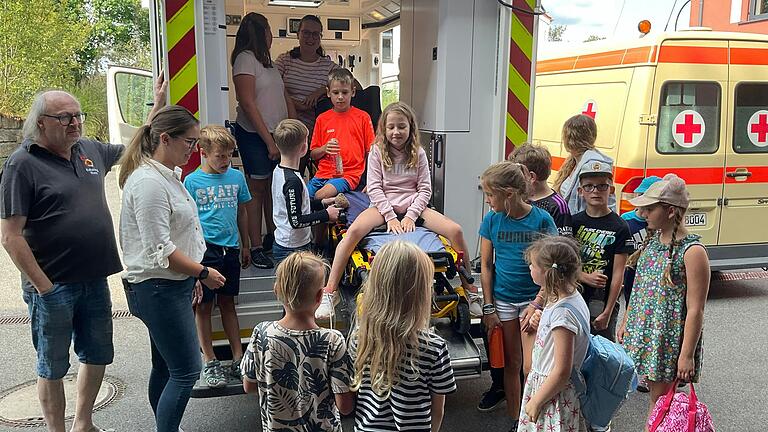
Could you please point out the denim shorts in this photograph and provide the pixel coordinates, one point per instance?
(315, 184)
(227, 261)
(71, 312)
(254, 154)
(509, 311)
(280, 253)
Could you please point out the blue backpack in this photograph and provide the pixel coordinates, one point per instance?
(606, 378)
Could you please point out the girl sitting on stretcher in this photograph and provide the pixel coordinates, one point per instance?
(400, 187)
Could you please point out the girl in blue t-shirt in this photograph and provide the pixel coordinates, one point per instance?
(510, 295)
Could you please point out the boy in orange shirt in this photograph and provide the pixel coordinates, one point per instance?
(344, 131)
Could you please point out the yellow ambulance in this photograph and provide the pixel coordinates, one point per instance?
(693, 103)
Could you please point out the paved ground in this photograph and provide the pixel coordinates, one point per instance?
(733, 379)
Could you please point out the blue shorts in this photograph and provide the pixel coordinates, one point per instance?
(227, 261)
(315, 184)
(71, 312)
(254, 154)
(280, 253)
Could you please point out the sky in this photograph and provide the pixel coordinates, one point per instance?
(613, 18)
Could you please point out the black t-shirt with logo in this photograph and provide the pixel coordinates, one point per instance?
(601, 239)
(69, 227)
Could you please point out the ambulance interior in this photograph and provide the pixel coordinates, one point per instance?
(360, 35)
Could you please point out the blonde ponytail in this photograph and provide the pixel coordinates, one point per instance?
(134, 155)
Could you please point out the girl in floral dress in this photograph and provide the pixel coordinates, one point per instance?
(550, 401)
(662, 329)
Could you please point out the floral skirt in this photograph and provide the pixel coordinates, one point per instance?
(559, 414)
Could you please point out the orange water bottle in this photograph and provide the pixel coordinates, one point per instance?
(496, 348)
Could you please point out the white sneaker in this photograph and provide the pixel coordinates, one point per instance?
(327, 305)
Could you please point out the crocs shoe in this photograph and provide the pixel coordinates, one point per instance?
(213, 375)
(327, 305)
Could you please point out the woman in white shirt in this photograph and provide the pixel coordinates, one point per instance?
(162, 243)
(262, 103)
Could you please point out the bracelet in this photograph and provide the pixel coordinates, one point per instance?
(536, 305)
(489, 309)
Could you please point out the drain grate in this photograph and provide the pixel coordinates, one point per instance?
(19, 407)
(23, 319)
(734, 276)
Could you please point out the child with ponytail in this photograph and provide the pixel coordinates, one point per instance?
(510, 296)
(551, 403)
(662, 329)
(579, 136)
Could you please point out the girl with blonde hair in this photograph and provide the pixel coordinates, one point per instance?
(301, 372)
(579, 136)
(402, 369)
(662, 329)
(510, 296)
(400, 187)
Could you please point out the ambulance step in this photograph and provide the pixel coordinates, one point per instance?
(466, 357)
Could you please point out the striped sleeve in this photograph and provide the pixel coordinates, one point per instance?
(441, 380)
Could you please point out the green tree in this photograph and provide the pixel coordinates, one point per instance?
(38, 40)
(555, 33)
(118, 34)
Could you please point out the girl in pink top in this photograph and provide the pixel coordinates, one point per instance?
(400, 187)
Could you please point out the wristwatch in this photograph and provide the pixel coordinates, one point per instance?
(203, 273)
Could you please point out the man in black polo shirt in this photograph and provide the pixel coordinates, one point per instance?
(57, 228)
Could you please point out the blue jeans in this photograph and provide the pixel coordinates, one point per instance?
(71, 312)
(165, 307)
(280, 253)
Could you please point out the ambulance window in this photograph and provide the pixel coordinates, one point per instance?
(134, 96)
(750, 123)
(689, 118)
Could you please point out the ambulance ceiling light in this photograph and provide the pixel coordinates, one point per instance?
(296, 3)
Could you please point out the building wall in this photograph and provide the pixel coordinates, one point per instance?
(10, 135)
(727, 15)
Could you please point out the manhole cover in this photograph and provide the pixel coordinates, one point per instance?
(19, 406)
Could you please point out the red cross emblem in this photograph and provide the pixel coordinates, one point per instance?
(688, 128)
(589, 108)
(757, 128)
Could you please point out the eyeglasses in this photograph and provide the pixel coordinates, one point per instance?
(310, 34)
(66, 119)
(589, 187)
(191, 142)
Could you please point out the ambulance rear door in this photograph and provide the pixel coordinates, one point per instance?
(745, 196)
(129, 101)
(690, 91)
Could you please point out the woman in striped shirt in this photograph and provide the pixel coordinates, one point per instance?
(402, 369)
(305, 70)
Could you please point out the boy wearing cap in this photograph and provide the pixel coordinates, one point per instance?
(605, 244)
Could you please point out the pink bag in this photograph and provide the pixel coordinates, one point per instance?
(680, 412)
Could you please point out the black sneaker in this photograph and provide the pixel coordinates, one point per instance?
(514, 426)
(259, 260)
(491, 400)
(267, 242)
